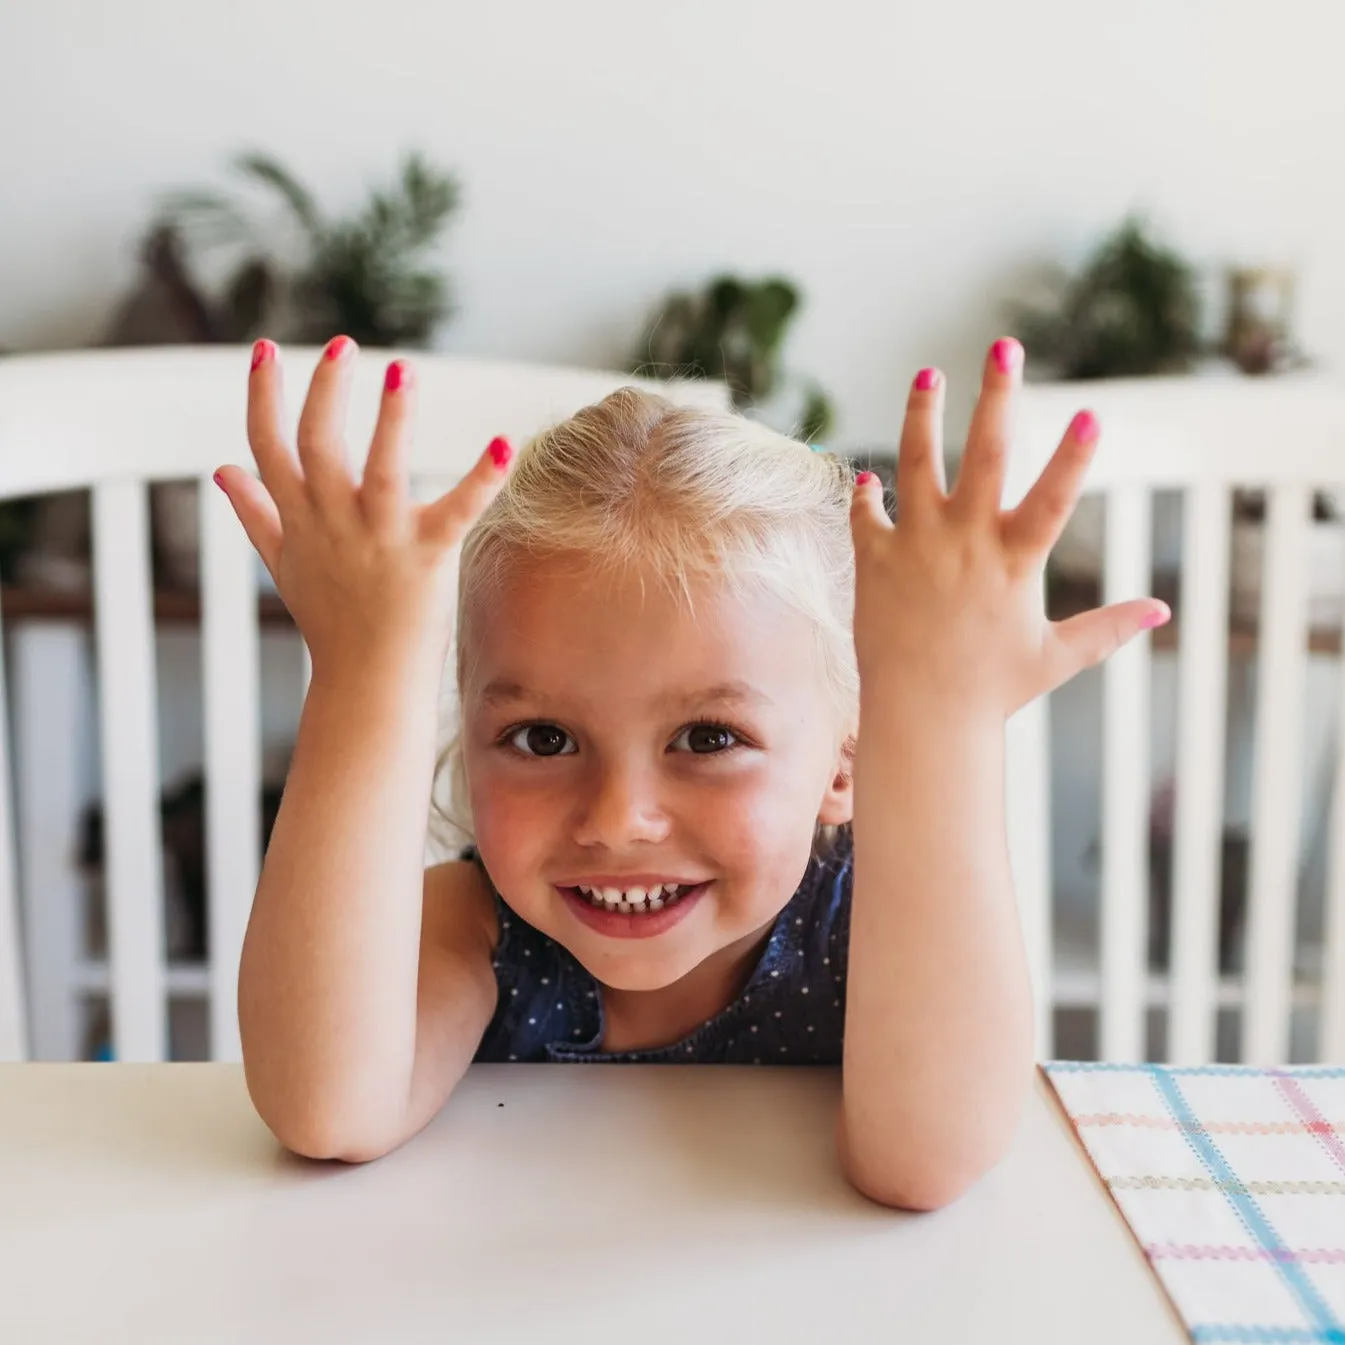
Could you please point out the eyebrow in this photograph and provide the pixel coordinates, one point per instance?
(503, 691)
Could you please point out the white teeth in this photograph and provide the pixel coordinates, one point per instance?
(635, 901)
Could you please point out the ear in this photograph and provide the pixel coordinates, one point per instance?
(838, 803)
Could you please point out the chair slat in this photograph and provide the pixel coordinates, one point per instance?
(13, 1025)
(1277, 776)
(230, 681)
(1125, 785)
(1028, 818)
(1198, 823)
(1331, 1036)
(128, 737)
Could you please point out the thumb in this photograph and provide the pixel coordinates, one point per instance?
(256, 512)
(448, 519)
(1085, 640)
(866, 506)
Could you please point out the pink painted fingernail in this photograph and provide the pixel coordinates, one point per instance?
(1008, 354)
(398, 376)
(218, 479)
(1158, 617)
(927, 380)
(864, 478)
(338, 346)
(500, 452)
(261, 352)
(1084, 427)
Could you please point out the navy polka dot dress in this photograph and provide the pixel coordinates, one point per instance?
(791, 1012)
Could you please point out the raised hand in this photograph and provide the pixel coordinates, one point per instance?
(362, 569)
(948, 602)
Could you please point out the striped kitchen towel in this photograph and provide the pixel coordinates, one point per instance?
(1232, 1178)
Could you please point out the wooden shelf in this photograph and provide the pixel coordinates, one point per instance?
(172, 606)
(1076, 977)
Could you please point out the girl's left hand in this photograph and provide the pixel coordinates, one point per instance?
(949, 602)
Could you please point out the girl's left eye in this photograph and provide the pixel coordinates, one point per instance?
(713, 738)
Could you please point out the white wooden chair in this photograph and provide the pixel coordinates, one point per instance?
(114, 421)
(1201, 436)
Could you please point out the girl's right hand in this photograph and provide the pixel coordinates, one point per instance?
(364, 572)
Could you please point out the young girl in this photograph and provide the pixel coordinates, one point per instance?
(694, 660)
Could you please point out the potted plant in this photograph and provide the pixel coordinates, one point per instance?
(1132, 310)
(733, 330)
(365, 276)
(304, 279)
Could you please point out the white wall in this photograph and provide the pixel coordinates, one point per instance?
(906, 163)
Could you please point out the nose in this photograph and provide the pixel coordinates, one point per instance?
(618, 807)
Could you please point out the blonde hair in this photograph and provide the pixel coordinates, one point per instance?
(688, 494)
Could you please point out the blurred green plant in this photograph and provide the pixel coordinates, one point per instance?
(733, 330)
(365, 276)
(1133, 309)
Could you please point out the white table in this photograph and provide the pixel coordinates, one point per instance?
(552, 1203)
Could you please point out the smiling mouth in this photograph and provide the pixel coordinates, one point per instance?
(625, 919)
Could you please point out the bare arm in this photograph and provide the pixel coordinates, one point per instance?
(365, 984)
(938, 1036)
(951, 638)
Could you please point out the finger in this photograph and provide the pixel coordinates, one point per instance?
(867, 515)
(1036, 524)
(980, 478)
(384, 491)
(278, 466)
(920, 457)
(322, 422)
(447, 519)
(256, 512)
(1085, 640)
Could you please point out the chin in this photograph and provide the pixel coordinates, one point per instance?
(636, 972)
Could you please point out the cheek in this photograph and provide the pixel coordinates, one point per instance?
(509, 821)
(763, 826)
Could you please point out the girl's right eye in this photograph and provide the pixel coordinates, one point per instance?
(543, 740)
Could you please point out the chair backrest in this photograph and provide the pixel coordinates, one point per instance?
(115, 421)
(1202, 437)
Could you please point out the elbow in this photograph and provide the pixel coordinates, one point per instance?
(329, 1145)
(322, 1133)
(323, 1138)
(901, 1179)
(920, 1192)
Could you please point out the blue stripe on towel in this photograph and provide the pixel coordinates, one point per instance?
(1263, 1335)
(1326, 1325)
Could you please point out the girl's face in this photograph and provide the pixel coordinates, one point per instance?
(611, 741)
